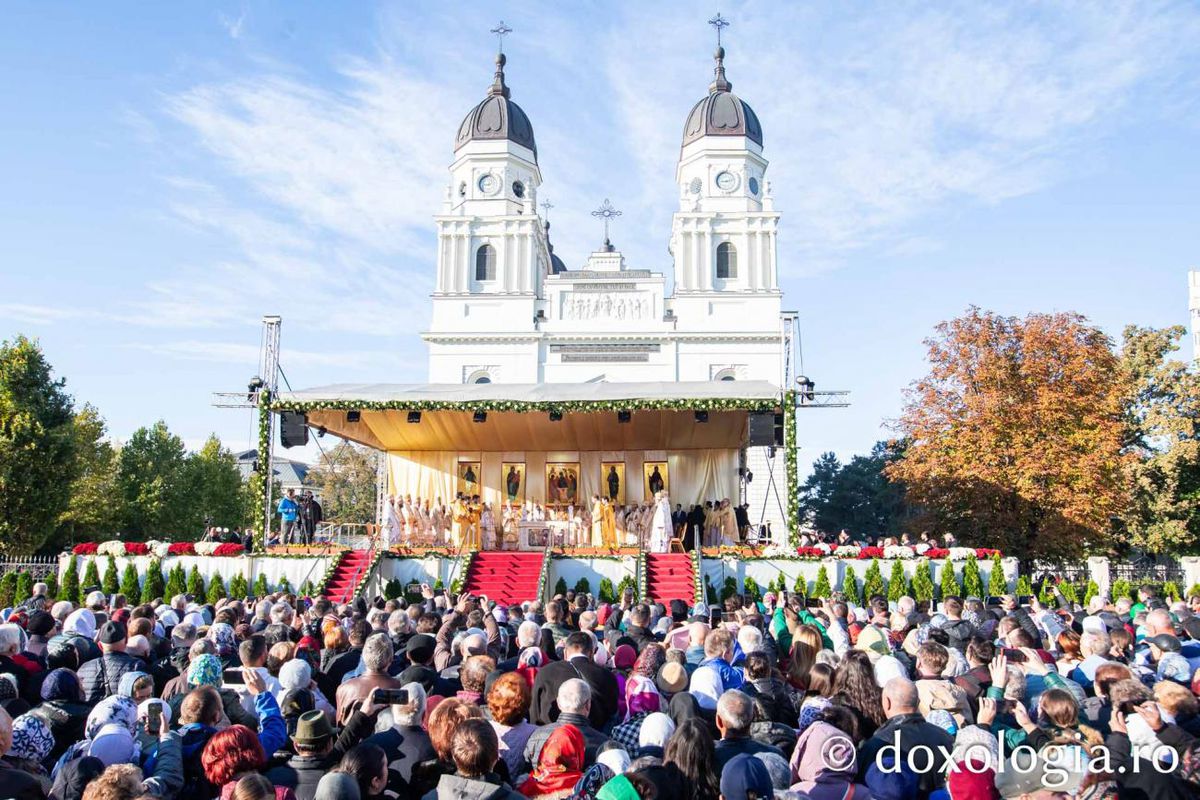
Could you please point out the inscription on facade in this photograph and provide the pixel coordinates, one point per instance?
(606, 305)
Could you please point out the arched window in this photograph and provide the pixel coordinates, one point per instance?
(726, 375)
(485, 263)
(483, 379)
(726, 261)
(478, 376)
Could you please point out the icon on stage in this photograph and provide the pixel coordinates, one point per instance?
(514, 482)
(656, 479)
(612, 481)
(468, 478)
(562, 483)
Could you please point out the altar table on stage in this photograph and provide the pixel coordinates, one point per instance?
(536, 535)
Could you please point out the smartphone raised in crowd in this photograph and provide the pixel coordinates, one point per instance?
(154, 718)
(391, 697)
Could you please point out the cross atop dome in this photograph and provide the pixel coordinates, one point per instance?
(719, 84)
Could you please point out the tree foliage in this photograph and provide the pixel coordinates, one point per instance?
(24, 589)
(91, 578)
(972, 583)
(92, 513)
(821, 586)
(850, 586)
(346, 478)
(1016, 438)
(922, 582)
(176, 582)
(1163, 418)
(68, 589)
(37, 447)
(153, 486)
(873, 583)
(997, 585)
(129, 584)
(111, 583)
(154, 587)
(949, 583)
(195, 584)
(856, 496)
(897, 583)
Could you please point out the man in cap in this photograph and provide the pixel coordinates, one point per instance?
(318, 750)
(746, 778)
(100, 677)
(1169, 662)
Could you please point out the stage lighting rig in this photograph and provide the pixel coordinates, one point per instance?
(479, 416)
(414, 417)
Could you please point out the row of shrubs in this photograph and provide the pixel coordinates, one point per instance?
(16, 587)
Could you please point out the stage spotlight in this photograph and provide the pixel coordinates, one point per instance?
(771, 451)
(480, 416)
(701, 416)
(321, 432)
(556, 416)
(749, 476)
(624, 416)
(414, 417)
(353, 416)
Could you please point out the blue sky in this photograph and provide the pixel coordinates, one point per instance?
(171, 172)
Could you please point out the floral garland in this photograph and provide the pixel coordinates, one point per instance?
(117, 548)
(790, 465)
(641, 573)
(544, 574)
(260, 480)
(523, 406)
(697, 578)
(849, 553)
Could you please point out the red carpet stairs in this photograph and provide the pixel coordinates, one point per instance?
(350, 571)
(506, 577)
(669, 576)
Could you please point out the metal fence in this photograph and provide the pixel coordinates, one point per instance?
(37, 566)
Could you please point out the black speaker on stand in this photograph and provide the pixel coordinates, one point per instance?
(293, 429)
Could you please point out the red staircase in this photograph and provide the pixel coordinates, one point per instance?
(669, 576)
(347, 575)
(506, 577)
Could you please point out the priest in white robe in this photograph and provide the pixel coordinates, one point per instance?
(660, 524)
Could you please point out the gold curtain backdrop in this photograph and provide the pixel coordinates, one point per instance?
(694, 475)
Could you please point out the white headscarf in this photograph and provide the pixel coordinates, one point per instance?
(295, 674)
(656, 730)
(82, 622)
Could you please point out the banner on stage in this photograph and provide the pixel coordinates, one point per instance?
(514, 482)
(612, 481)
(656, 479)
(468, 478)
(562, 483)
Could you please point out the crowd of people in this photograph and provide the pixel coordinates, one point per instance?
(458, 698)
(468, 521)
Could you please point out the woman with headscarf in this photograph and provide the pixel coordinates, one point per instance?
(819, 746)
(624, 657)
(559, 767)
(207, 670)
(62, 709)
(655, 732)
(530, 660)
(110, 734)
(32, 742)
(296, 675)
(135, 685)
(641, 694)
(222, 635)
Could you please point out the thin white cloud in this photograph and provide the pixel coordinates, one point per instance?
(248, 354)
(32, 314)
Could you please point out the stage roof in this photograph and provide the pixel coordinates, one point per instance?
(662, 414)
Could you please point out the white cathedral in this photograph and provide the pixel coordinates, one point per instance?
(507, 309)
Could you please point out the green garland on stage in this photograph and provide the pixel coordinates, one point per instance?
(260, 480)
(523, 406)
(791, 467)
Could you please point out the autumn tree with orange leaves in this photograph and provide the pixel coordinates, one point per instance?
(1017, 435)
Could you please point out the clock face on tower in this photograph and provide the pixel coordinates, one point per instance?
(488, 183)
(726, 181)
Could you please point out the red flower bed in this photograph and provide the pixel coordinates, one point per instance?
(937, 552)
(810, 552)
(136, 549)
(983, 552)
(871, 552)
(229, 549)
(85, 549)
(181, 549)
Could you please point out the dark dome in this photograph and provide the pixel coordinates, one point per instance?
(497, 117)
(556, 263)
(721, 112)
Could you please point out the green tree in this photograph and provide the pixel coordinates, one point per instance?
(68, 589)
(997, 585)
(922, 582)
(215, 486)
(855, 496)
(129, 584)
(800, 587)
(154, 588)
(153, 487)
(24, 589)
(51, 581)
(821, 586)
(1091, 591)
(972, 584)
(607, 593)
(582, 586)
(8, 589)
(176, 582)
(195, 585)
(38, 461)
(750, 587)
(873, 583)
(93, 512)
(216, 588)
(346, 478)
(91, 578)
(112, 582)
(950, 586)
(850, 586)
(1024, 586)
(239, 588)
(560, 587)
(285, 586)
(897, 583)
(261, 589)
(1163, 418)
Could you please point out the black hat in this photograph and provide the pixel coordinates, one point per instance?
(1165, 642)
(418, 673)
(113, 632)
(1191, 625)
(420, 648)
(40, 623)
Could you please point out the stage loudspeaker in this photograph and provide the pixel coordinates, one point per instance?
(762, 430)
(293, 429)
